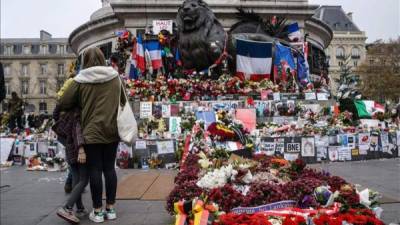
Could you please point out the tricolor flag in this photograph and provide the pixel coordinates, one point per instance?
(122, 33)
(141, 62)
(284, 61)
(294, 32)
(133, 73)
(254, 59)
(154, 48)
(366, 109)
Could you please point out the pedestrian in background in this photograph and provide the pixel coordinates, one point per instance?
(94, 91)
(15, 110)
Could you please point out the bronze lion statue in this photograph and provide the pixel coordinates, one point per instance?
(201, 36)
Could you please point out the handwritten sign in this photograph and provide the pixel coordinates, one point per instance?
(293, 147)
(159, 25)
(165, 147)
(146, 110)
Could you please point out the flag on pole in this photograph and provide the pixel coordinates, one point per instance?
(133, 73)
(294, 32)
(140, 61)
(284, 61)
(254, 59)
(154, 48)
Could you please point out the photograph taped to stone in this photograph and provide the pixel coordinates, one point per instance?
(307, 147)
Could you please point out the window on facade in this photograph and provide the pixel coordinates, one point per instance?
(7, 70)
(340, 52)
(24, 70)
(9, 48)
(340, 63)
(52, 49)
(60, 69)
(355, 63)
(43, 49)
(60, 83)
(35, 49)
(2, 49)
(43, 69)
(5, 106)
(355, 53)
(43, 107)
(25, 87)
(7, 88)
(42, 87)
(62, 49)
(17, 49)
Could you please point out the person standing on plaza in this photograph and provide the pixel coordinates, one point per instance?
(15, 110)
(2, 84)
(69, 132)
(94, 91)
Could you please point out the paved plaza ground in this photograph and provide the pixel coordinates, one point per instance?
(33, 197)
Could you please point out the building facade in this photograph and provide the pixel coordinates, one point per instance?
(348, 41)
(35, 68)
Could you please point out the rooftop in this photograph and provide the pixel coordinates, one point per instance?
(337, 18)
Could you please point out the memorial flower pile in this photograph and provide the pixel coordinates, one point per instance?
(226, 186)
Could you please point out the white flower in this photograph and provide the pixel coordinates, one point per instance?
(217, 178)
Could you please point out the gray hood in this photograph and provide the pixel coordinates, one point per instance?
(96, 74)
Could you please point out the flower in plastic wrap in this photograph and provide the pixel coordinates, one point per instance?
(322, 195)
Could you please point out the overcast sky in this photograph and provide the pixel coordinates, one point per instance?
(25, 18)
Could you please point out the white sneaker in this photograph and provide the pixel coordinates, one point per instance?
(110, 214)
(97, 217)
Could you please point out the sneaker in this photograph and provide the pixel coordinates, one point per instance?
(111, 214)
(97, 217)
(68, 215)
(80, 213)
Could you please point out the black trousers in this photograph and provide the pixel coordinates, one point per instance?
(15, 121)
(80, 179)
(101, 160)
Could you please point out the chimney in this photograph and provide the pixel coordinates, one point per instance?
(44, 35)
(350, 15)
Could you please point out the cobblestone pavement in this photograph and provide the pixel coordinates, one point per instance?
(33, 197)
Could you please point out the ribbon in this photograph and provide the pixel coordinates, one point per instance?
(263, 208)
(196, 207)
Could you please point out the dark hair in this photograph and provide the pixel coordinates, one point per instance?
(93, 57)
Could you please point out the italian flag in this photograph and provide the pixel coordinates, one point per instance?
(366, 109)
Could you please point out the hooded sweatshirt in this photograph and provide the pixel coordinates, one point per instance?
(97, 91)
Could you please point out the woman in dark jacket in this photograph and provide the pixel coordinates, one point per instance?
(95, 91)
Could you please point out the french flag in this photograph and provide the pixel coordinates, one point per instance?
(154, 48)
(254, 59)
(294, 32)
(133, 73)
(140, 61)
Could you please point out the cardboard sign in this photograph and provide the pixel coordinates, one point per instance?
(333, 154)
(248, 118)
(322, 96)
(344, 154)
(280, 145)
(146, 110)
(293, 147)
(310, 96)
(291, 156)
(140, 145)
(159, 25)
(363, 149)
(355, 152)
(322, 153)
(5, 149)
(277, 96)
(165, 147)
(364, 139)
(165, 111)
(268, 147)
(175, 125)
